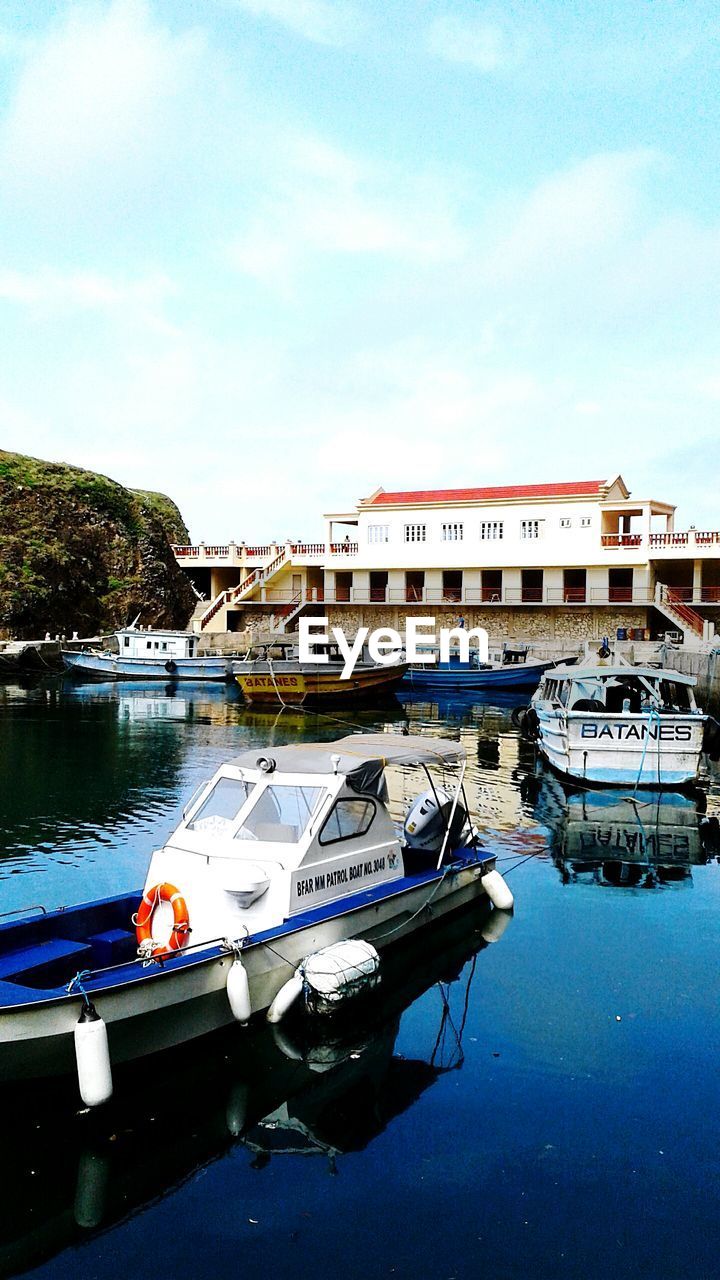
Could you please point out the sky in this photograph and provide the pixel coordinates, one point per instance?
(267, 255)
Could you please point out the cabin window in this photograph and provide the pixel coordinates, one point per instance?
(347, 819)
(148, 644)
(222, 806)
(585, 522)
(126, 642)
(565, 523)
(281, 814)
(675, 695)
(163, 645)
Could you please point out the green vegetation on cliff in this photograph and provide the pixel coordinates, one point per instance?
(79, 552)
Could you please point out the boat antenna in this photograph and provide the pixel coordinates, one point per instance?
(133, 625)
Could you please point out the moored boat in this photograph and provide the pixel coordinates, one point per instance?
(150, 655)
(515, 670)
(290, 682)
(619, 725)
(276, 858)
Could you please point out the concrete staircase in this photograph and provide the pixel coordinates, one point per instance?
(246, 589)
(684, 618)
(286, 616)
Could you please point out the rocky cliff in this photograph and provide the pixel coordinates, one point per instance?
(79, 552)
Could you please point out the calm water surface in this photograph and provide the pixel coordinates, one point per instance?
(544, 1106)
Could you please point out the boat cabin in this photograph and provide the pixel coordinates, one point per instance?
(618, 690)
(134, 643)
(273, 835)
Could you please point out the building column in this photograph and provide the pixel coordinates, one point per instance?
(697, 581)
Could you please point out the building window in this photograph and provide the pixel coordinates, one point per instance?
(565, 524)
(491, 530)
(452, 532)
(378, 533)
(416, 533)
(530, 528)
(585, 522)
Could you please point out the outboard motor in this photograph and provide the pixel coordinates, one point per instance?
(427, 819)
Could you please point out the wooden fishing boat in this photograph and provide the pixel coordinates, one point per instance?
(289, 682)
(516, 669)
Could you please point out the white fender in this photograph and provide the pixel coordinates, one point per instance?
(497, 891)
(238, 991)
(286, 996)
(92, 1056)
(495, 925)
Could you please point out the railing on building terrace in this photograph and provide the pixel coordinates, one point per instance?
(621, 539)
(510, 596)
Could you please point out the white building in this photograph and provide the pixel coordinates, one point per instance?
(551, 560)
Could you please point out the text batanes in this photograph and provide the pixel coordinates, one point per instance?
(385, 645)
(628, 732)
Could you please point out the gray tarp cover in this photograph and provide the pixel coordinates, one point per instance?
(363, 757)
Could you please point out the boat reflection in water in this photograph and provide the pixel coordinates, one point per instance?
(649, 840)
(323, 1086)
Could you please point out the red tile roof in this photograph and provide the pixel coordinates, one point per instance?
(566, 489)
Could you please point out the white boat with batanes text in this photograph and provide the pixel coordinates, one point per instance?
(620, 725)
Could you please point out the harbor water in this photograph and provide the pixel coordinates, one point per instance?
(538, 1102)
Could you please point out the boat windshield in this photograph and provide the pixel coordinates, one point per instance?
(281, 813)
(220, 809)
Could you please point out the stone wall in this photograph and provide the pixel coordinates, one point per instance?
(536, 625)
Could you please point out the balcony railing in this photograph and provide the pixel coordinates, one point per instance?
(669, 539)
(308, 548)
(237, 553)
(511, 597)
(621, 539)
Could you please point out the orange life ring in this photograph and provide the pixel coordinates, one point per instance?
(181, 921)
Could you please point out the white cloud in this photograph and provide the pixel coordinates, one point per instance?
(52, 290)
(323, 201)
(483, 41)
(94, 96)
(571, 215)
(328, 22)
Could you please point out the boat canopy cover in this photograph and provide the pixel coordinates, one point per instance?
(363, 757)
(614, 673)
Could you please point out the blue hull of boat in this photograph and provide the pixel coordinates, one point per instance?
(461, 677)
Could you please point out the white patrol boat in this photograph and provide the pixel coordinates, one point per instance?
(621, 725)
(278, 859)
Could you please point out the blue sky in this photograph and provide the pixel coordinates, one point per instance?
(265, 255)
